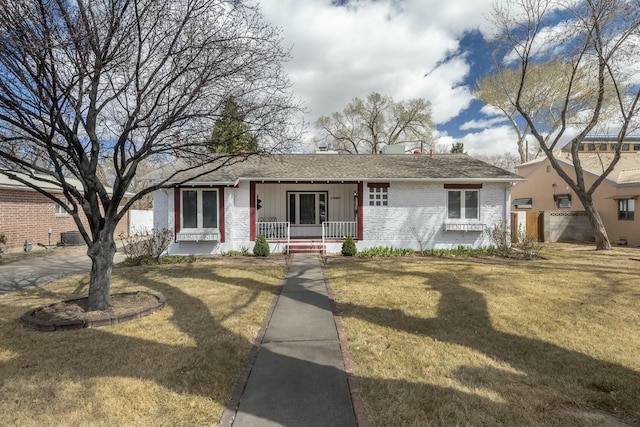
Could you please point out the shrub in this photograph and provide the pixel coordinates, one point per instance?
(151, 245)
(261, 248)
(527, 244)
(349, 247)
(501, 237)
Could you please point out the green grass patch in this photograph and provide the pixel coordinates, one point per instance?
(462, 251)
(168, 259)
(384, 252)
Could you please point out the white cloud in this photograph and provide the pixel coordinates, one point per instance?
(387, 46)
(492, 140)
(482, 124)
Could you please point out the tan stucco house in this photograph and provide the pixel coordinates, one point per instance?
(615, 198)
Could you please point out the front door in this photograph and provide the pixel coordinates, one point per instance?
(307, 210)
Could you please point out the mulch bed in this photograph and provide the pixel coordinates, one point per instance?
(73, 314)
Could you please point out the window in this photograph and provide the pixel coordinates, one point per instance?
(592, 147)
(603, 147)
(562, 200)
(199, 209)
(59, 209)
(626, 208)
(625, 147)
(378, 196)
(307, 208)
(462, 204)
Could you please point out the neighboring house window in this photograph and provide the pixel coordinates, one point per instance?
(626, 208)
(378, 196)
(59, 208)
(562, 200)
(625, 147)
(603, 147)
(462, 204)
(592, 147)
(199, 209)
(523, 203)
(636, 147)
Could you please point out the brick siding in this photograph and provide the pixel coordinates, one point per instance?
(27, 215)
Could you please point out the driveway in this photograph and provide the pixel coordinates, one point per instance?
(36, 271)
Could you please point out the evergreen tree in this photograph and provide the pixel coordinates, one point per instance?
(457, 148)
(231, 134)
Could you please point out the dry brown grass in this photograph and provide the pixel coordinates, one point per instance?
(175, 367)
(462, 342)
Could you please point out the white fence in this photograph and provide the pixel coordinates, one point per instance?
(339, 229)
(274, 230)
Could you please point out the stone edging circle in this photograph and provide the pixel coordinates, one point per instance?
(29, 320)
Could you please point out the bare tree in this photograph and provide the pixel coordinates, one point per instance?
(595, 43)
(365, 126)
(507, 161)
(129, 81)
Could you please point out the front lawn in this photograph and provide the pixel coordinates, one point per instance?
(176, 367)
(475, 342)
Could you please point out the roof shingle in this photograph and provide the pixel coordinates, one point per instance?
(347, 167)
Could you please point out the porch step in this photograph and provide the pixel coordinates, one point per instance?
(306, 247)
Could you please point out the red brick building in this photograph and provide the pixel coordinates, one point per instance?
(26, 214)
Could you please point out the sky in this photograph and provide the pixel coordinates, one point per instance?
(406, 49)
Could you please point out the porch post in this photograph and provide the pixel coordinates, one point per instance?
(252, 211)
(360, 213)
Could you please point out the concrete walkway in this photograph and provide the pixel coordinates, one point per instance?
(298, 378)
(37, 271)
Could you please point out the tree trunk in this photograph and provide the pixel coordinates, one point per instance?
(600, 233)
(101, 253)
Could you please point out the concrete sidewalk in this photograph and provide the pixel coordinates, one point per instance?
(37, 271)
(298, 378)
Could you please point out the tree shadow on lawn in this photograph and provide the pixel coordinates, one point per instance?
(463, 318)
(210, 347)
(131, 357)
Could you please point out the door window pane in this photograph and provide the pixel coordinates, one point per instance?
(292, 208)
(307, 208)
(210, 209)
(322, 203)
(190, 209)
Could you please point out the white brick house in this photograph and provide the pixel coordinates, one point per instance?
(403, 201)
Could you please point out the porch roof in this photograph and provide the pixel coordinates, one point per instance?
(346, 167)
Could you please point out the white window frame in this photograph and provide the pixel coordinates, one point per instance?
(320, 212)
(378, 196)
(199, 212)
(59, 209)
(462, 205)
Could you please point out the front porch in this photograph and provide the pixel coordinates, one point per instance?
(280, 232)
(298, 213)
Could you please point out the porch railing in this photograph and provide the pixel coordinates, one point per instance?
(273, 230)
(339, 229)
